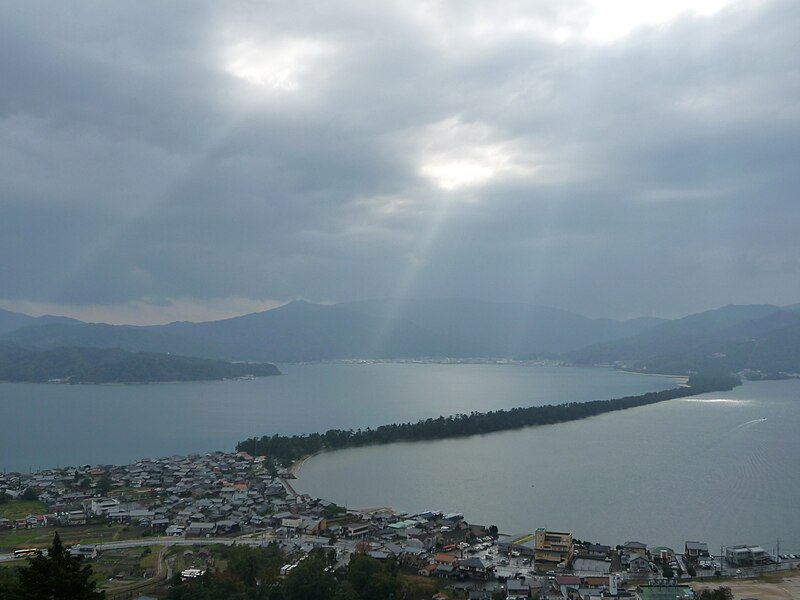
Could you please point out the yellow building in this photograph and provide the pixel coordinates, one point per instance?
(553, 546)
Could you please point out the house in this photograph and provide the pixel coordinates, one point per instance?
(598, 581)
(517, 590)
(102, 506)
(694, 551)
(662, 554)
(638, 564)
(446, 571)
(36, 521)
(428, 570)
(567, 583)
(600, 551)
(634, 548)
(423, 536)
(228, 526)
(401, 526)
(478, 531)
(474, 568)
(550, 593)
(201, 528)
(412, 557)
(443, 558)
(314, 524)
(451, 530)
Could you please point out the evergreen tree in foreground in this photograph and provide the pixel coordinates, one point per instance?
(57, 576)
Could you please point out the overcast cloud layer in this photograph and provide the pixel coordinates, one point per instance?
(191, 160)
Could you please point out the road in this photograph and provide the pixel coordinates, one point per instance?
(155, 541)
(344, 546)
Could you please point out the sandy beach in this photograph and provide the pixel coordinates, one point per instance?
(295, 467)
(767, 588)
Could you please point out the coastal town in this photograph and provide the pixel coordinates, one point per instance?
(239, 499)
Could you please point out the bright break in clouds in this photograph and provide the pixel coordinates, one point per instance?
(197, 160)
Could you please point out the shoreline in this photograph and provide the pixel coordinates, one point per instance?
(684, 378)
(297, 464)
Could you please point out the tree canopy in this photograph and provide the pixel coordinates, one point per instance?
(57, 576)
(721, 593)
(251, 574)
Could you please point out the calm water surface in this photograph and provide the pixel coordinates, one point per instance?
(719, 468)
(56, 425)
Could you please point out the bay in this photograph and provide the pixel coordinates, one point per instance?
(51, 425)
(720, 468)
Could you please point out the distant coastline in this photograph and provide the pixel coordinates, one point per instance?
(77, 365)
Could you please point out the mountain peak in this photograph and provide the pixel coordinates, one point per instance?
(299, 306)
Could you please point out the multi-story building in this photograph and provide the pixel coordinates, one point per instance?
(553, 546)
(745, 556)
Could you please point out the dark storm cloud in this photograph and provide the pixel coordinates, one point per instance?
(262, 151)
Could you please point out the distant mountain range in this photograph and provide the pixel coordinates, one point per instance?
(759, 337)
(9, 321)
(503, 329)
(303, 331)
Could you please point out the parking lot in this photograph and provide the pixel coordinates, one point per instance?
(508, 566)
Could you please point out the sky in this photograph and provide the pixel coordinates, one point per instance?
(197, 160)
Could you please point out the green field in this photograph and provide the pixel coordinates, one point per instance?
(42, 537)
(17, 509)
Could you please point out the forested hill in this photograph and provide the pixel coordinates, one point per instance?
(112, 365)
(760, 338)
